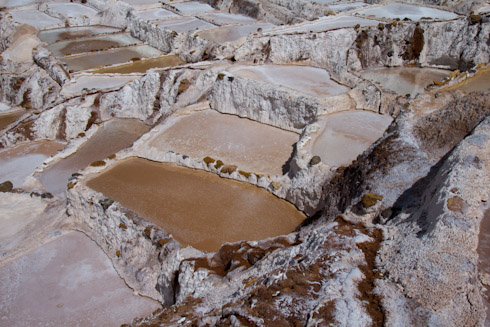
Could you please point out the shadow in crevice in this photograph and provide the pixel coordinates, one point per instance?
(286, 168)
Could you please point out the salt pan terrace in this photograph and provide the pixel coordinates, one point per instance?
(309, 80)
(59, 34)
(252, 146)
(232, 33)
(87, 83)
(155, 14)
(36, 19)
(190, 7)
(9, 116)
(71, 9)
(185, 24)
(402, 11)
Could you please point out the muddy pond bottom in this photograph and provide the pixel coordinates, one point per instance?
(480, 82)
(9, 117)
(198, 208)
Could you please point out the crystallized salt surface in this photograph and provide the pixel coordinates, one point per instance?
(250, 145)
(232, 33)
(67, 282)
(19, 162)
(185, 24)
(484, 256)
(4, 107)
(309, 80)
(192, 7)
(142, 2)
(16, 211)
(483, 9)
(197, 207)
(91, 44)
(401, 11)
(404, 80)
(347, 6)
(347, 134)
(94, 82)
(155, 14)
(110, 57)
(220, 18)
(72, 9)
(325, 24)
(115, 135)
(53, 35)
(35, 18)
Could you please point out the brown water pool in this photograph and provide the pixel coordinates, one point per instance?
(197, 207)
(9, 117)
(141, 66)
(478, 83)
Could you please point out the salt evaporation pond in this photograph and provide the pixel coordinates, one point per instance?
(91, 44)
(192, 7)
(185, 24)
(402, 11)
(197, 207)
(35, 18)
(404, 80)
(305, 79)
(325, 24)
(53, 35)
(19, 162)
(252, 146)
(232, 33)
(480, 82)
(155, 14)
(347, 6)
(77, 85)
(109, 57)
(141, 66)
(67, 282)
(347, 134)
(115, 135)
(221, 18)
(9, 117)
(72, 9)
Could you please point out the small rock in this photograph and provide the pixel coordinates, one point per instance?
(6, 186)
(228, 169)
(276, 185)
(455, 204)
(370, 199)
(315, 160)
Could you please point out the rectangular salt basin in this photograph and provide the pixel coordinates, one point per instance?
(115, 135)
(347, 6)
(94, 82)
(141, 66)
(347, 134)
(17, 3)
(480, 82)
(402, 11)
(309, 80)
(252, 146)
(185, 24)
(155, 14)
(221, 18)
(19, 162)
(110, 57)
(325, 24)
(91, 44)
(404, 80)
(143, 2)
(232, 33)
(72, 9)
(191, 7)
(53, 35)
(197, 207)
(9, 117)
(67, 282)
(35, 18)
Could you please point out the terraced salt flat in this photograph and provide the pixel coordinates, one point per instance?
(200, 208)
(8, 117)
(309, 80)
(252, 146)
(232, 33)
(141, 66)
(192, 7)
(142, 3)
(110, 57)
(67, 282)
(155, 14)
(36, 19)
(58, 34)
(404, 80)
(347, 6)
(480, 82)
(72, 9)
(115, 135)
(347, 134)
(91, 44)
(185, 24)
(19, 162)
(402, 11)
(221, 18)
(94, 83)
(325, 24)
